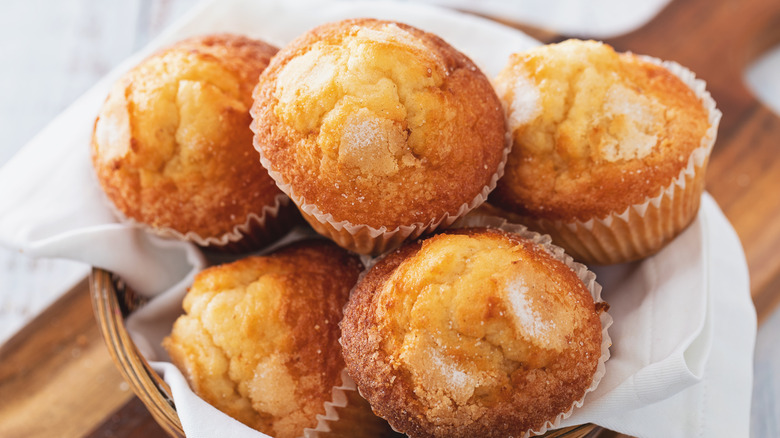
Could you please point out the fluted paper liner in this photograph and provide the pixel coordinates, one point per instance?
(582, 271)
(259, 229)
(644, 228)
(365, 239)
(348, 415)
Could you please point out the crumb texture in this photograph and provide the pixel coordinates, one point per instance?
(259, 339)
(478, 331)
(594, 130)
(373, 120)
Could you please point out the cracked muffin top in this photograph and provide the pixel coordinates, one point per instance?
(378, 123)
(594, 131)
(172, 146)
(259, 339)
(472, 332)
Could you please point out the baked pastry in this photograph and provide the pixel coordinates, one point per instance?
(378, 131)
(173, 150)
(259, 340)
(474, 332)
(610, 150)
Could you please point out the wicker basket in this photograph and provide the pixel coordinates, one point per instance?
(112, 301)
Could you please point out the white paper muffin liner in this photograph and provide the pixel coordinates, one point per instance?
(588, 277)
(365, 239)
(642, 229)
(348, 414)
(259, 229)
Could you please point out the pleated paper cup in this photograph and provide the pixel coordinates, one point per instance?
(644, 228)
(365, 239)
(349, 415)
(259, 229)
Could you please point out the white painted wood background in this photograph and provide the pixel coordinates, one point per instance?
(50, 53)
(53, 51)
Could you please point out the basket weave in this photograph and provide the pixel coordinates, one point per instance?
(111, 303)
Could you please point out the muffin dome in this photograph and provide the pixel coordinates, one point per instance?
(259, 339)
(172, 146)
(594, 131)
(377, 123)
(610, 150)
(473, 332)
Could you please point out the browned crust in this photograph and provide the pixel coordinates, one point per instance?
(476, 139)
(541, 187)
(316, 296)
(317, 277)
(226, 185)
(526, 405)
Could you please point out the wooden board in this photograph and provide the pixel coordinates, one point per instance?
(56, 379)
(718, 40)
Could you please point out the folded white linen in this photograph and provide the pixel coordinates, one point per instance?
(577, 18)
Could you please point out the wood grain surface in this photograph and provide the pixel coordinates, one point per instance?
(56, 379)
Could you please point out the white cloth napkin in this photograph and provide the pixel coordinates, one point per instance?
(682, 351)
(684, 323)
(584, 19)
(698, 289)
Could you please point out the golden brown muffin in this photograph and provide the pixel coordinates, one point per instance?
(172, 146)
(596, 132)
(473, 332)
(378, 124)
(259, 339)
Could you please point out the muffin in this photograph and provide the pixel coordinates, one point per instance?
(610, 150)
(378, 131)
(173, 151)
(259, 340)
(475, 332)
